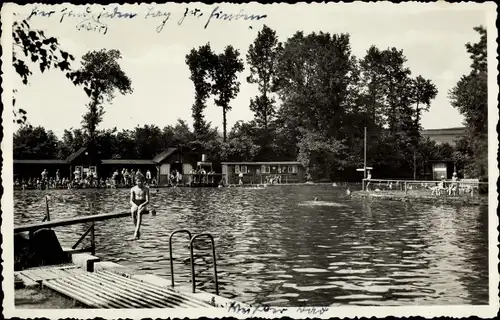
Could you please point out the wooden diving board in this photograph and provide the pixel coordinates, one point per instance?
(108, 290)
(71, 221)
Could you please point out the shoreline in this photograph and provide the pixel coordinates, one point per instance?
(402, 197)
(339, 185)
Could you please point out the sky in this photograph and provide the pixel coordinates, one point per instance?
(432, 37)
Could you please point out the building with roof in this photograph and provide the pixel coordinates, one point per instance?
(437, 168)
(181, 160)
(445, 135)
(263, 172)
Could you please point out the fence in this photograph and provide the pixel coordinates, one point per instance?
(463, 187)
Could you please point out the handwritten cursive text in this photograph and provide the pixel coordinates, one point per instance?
(158, 14)
(237, 308)
(312, 310)
(193, 12)
(91, 25)
(96, 18)
(220, 15)
(41, 13)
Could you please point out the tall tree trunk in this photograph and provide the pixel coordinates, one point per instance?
(265, 107)
(417, 118)
(224, 122)
(93, 119)
(414, 165)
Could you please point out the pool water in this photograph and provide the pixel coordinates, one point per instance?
(278, 246)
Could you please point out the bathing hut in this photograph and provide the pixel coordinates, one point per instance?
(179, 159)
(283, 172)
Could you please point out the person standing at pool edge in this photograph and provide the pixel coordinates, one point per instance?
(368, 178)
(139, 198)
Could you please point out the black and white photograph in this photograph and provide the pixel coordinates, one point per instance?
(249, 160)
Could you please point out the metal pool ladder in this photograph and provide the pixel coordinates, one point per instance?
(191, 241)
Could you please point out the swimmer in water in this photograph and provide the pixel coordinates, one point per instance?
(139, 198)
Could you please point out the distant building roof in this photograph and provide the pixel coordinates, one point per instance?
(271, 163)
(444, 135)
(40, 161)
(76, 154)
(127, 161)
(159, 158)
(454, 130)
(165, 154)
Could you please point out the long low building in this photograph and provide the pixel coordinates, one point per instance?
(263, 172)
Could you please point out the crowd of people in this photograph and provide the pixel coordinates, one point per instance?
(126, 178)
(119, 179)
(201, 176)
(89, 179)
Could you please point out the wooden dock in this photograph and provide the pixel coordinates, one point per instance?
(100, 284)
(105, 289)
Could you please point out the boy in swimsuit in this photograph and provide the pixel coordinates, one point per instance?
(139, 198)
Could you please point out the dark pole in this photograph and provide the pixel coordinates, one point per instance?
(364, 171)
(414, 165)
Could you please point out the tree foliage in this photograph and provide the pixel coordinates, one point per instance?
(226, 85)
(470, 97)
(200, 61)
(102, 70)
(31, 46)
(213, 74)
(262, 58)
(35, 143)
(139, 143)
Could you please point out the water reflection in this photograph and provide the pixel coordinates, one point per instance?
(273, 249)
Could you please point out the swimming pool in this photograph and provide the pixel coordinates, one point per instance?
(275, 246)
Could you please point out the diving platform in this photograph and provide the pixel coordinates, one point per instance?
(111, 288)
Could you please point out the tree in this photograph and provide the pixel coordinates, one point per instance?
(262, 57)
(240, 146)
(41, 50)
(102, 70)
(470, 97)
(226, 85)
(424, 91)
(72, 140)
(107, 144)
(200, 63)
(319, 153)
(148, 142)
(372, 89)
(314, 74)
(35, 143)
(125, 145)
(392, 103)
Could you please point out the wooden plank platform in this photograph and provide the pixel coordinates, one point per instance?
(46, 273)
(106, 289)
